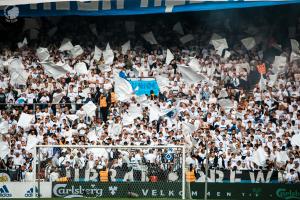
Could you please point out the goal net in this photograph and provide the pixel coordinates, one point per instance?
(112, 171)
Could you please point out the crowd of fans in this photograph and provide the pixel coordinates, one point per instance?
(256, 116)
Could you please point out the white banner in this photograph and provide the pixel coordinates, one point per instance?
(279, 64)
(149, 37)
(295, 46)
(295, 140)
(24, 189)
(66, 45)
(220, 45)
(89, 109)
(23, 43)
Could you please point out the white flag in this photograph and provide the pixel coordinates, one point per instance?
(190, 76)
(227, 54)
(279, 64)
(178, 28)
(80, 68)
(187, 38)
(295, 140)
(248, 42)
(97, 54)
(108, 47)
(25, 120)
(169, 57)
(56, 70)
(123, 89)
(76, 51)
(4, 127)
(194, 64)
(108, 56)
(149, 37)
(42, 54)
(4, 149)
(66, 45)
(72, 117)
(23, 43)
(89, 109)
(18, 74)
(57, 97)
(215, 36)
(220, 45)
(262, 83)
(295, 46)
(294, 56)
(259, 156)
(125, 47)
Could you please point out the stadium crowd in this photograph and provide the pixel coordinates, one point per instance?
(246, 109)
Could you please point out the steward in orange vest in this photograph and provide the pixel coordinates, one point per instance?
(103, 174)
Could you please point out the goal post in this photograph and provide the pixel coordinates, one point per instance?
(112, 171)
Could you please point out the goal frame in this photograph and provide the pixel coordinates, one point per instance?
(36, 156)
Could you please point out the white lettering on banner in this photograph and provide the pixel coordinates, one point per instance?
(237, 179)
(171, 193)
(144, 3)
(157, 3)
(221, 176)
(88, 6)
(171, 3)
(145, 192)
(194, 193)
(154, 192)
(63, 5)
(260, 177)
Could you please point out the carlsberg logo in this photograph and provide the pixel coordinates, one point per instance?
(284, 194)
(61, 190)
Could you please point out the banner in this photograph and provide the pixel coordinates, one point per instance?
(24, 189)
(144, 86)
(174, 190)
(127, 7)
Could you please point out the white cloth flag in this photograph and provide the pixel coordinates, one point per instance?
(25, 120)
(259, 156)
(72, 117)
(93, 29)
(80, 68)
(76, 51)
(190, 76)
(153, 113)
(4, 127)
(281, 157)
(97, 54)
(56, 70)
(108, 56)
(89, 109)
(248, 42)
(273, 79)
(149, 37)
(294, 56)
(178, 28)
(125, 47)
(169, 57)
(23, 43)
(4, 149)
(279, 64)
(42, 54)
(194, 64)
(220, 45)
(57, 97)
(66, 45)
(123, 89)
(18, 74)
(130, 26)
(187, 38)
(31, 142)
(295, 140)
(227, 54)
(226, 104)
(108, 47)
(162, 82)
(295, 46)
(215, 36)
